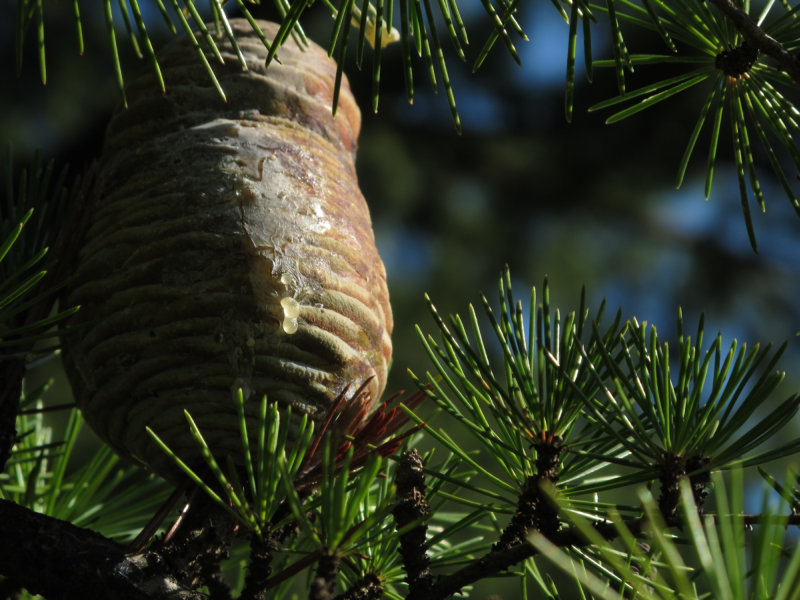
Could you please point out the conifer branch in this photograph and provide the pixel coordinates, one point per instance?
(56, 559)
(757, 38)
(495, 562)
(194, 554)
(413, 507)
(325, 582)
(260, 567)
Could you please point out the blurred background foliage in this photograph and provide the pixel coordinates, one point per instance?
(583, 203)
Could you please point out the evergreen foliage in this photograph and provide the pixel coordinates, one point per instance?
(554, 440)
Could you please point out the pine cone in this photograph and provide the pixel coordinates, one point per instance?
(228, 246)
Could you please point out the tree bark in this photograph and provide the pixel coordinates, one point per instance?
(56, 559)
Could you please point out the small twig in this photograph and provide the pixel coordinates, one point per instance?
(675, 469)
(324, 583)
(672, 471)
(535, 511)
(260, 567)
(176, 525)
(140, 542)
(293, 569)
(494, 563)
(487, 566)
(369, 587)
(47, 409)
(699, 478)
(413, 507)
(757, 38)
(200, 545)
(524, 519)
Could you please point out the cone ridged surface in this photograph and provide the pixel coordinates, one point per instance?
(228, 246)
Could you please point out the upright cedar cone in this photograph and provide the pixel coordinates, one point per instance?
(228, 246)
